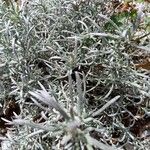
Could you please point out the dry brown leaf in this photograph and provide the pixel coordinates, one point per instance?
(144, 65)
(148, 1)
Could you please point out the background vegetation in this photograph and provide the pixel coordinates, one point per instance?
(75, 74)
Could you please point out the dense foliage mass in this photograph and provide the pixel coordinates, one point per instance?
(74, 74)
